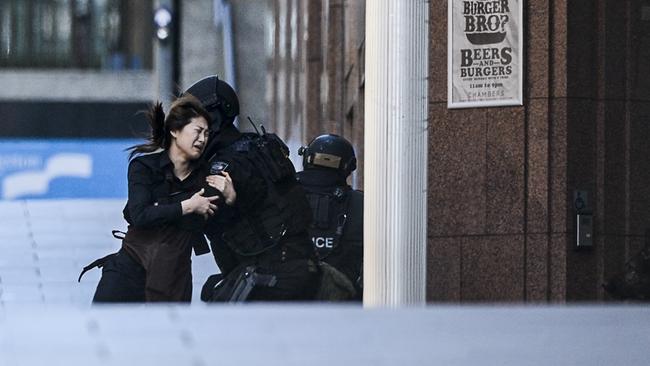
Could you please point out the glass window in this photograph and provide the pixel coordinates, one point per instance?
(94, 34)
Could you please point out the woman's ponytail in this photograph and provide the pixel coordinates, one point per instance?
(156, 140)
(156, 117)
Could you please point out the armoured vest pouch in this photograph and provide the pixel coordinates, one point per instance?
(272, 158)
(334, 285)
(320, 204)
(354, 230)
(329, 219)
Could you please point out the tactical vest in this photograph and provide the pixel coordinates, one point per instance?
(283, 213)
(333, 221)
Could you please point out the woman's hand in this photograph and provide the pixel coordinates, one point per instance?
(223, 183)
(198, 204)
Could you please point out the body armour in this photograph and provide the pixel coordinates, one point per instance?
(271, 208)
(336, 230)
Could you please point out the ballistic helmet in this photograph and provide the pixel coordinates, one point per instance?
(218, 98)
(329, 151)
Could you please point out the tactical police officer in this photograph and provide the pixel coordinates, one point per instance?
(261, 243)
(337, 226)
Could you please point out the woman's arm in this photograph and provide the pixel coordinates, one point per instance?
(198, 204)
(143, 209)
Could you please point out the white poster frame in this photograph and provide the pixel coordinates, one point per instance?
(518, 100)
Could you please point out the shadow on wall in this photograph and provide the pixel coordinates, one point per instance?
(633, 282)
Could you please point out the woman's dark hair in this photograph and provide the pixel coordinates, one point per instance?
(181, 112)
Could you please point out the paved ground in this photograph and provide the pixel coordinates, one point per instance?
(45, 243)
(46, 317)
(323, 335)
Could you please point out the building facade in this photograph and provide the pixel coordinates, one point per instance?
(85, 68)
(502, 180)
(316, 72)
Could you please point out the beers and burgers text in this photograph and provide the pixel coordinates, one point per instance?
(479, 62)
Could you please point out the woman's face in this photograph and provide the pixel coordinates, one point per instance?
(190, 141)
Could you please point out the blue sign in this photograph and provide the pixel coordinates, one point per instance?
(81, 168)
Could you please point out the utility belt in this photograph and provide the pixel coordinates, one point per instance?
(238, 284)
(248, 280)
(290, 248)
(263, 271)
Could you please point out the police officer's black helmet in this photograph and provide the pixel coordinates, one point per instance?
(218, 98)
(329, 151)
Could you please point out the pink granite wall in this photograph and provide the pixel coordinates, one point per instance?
(501, 180)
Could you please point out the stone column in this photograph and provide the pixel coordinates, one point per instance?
(396, 152)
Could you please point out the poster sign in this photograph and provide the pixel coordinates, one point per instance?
(485, 53)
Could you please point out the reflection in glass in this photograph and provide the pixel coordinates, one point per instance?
(95, 34)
